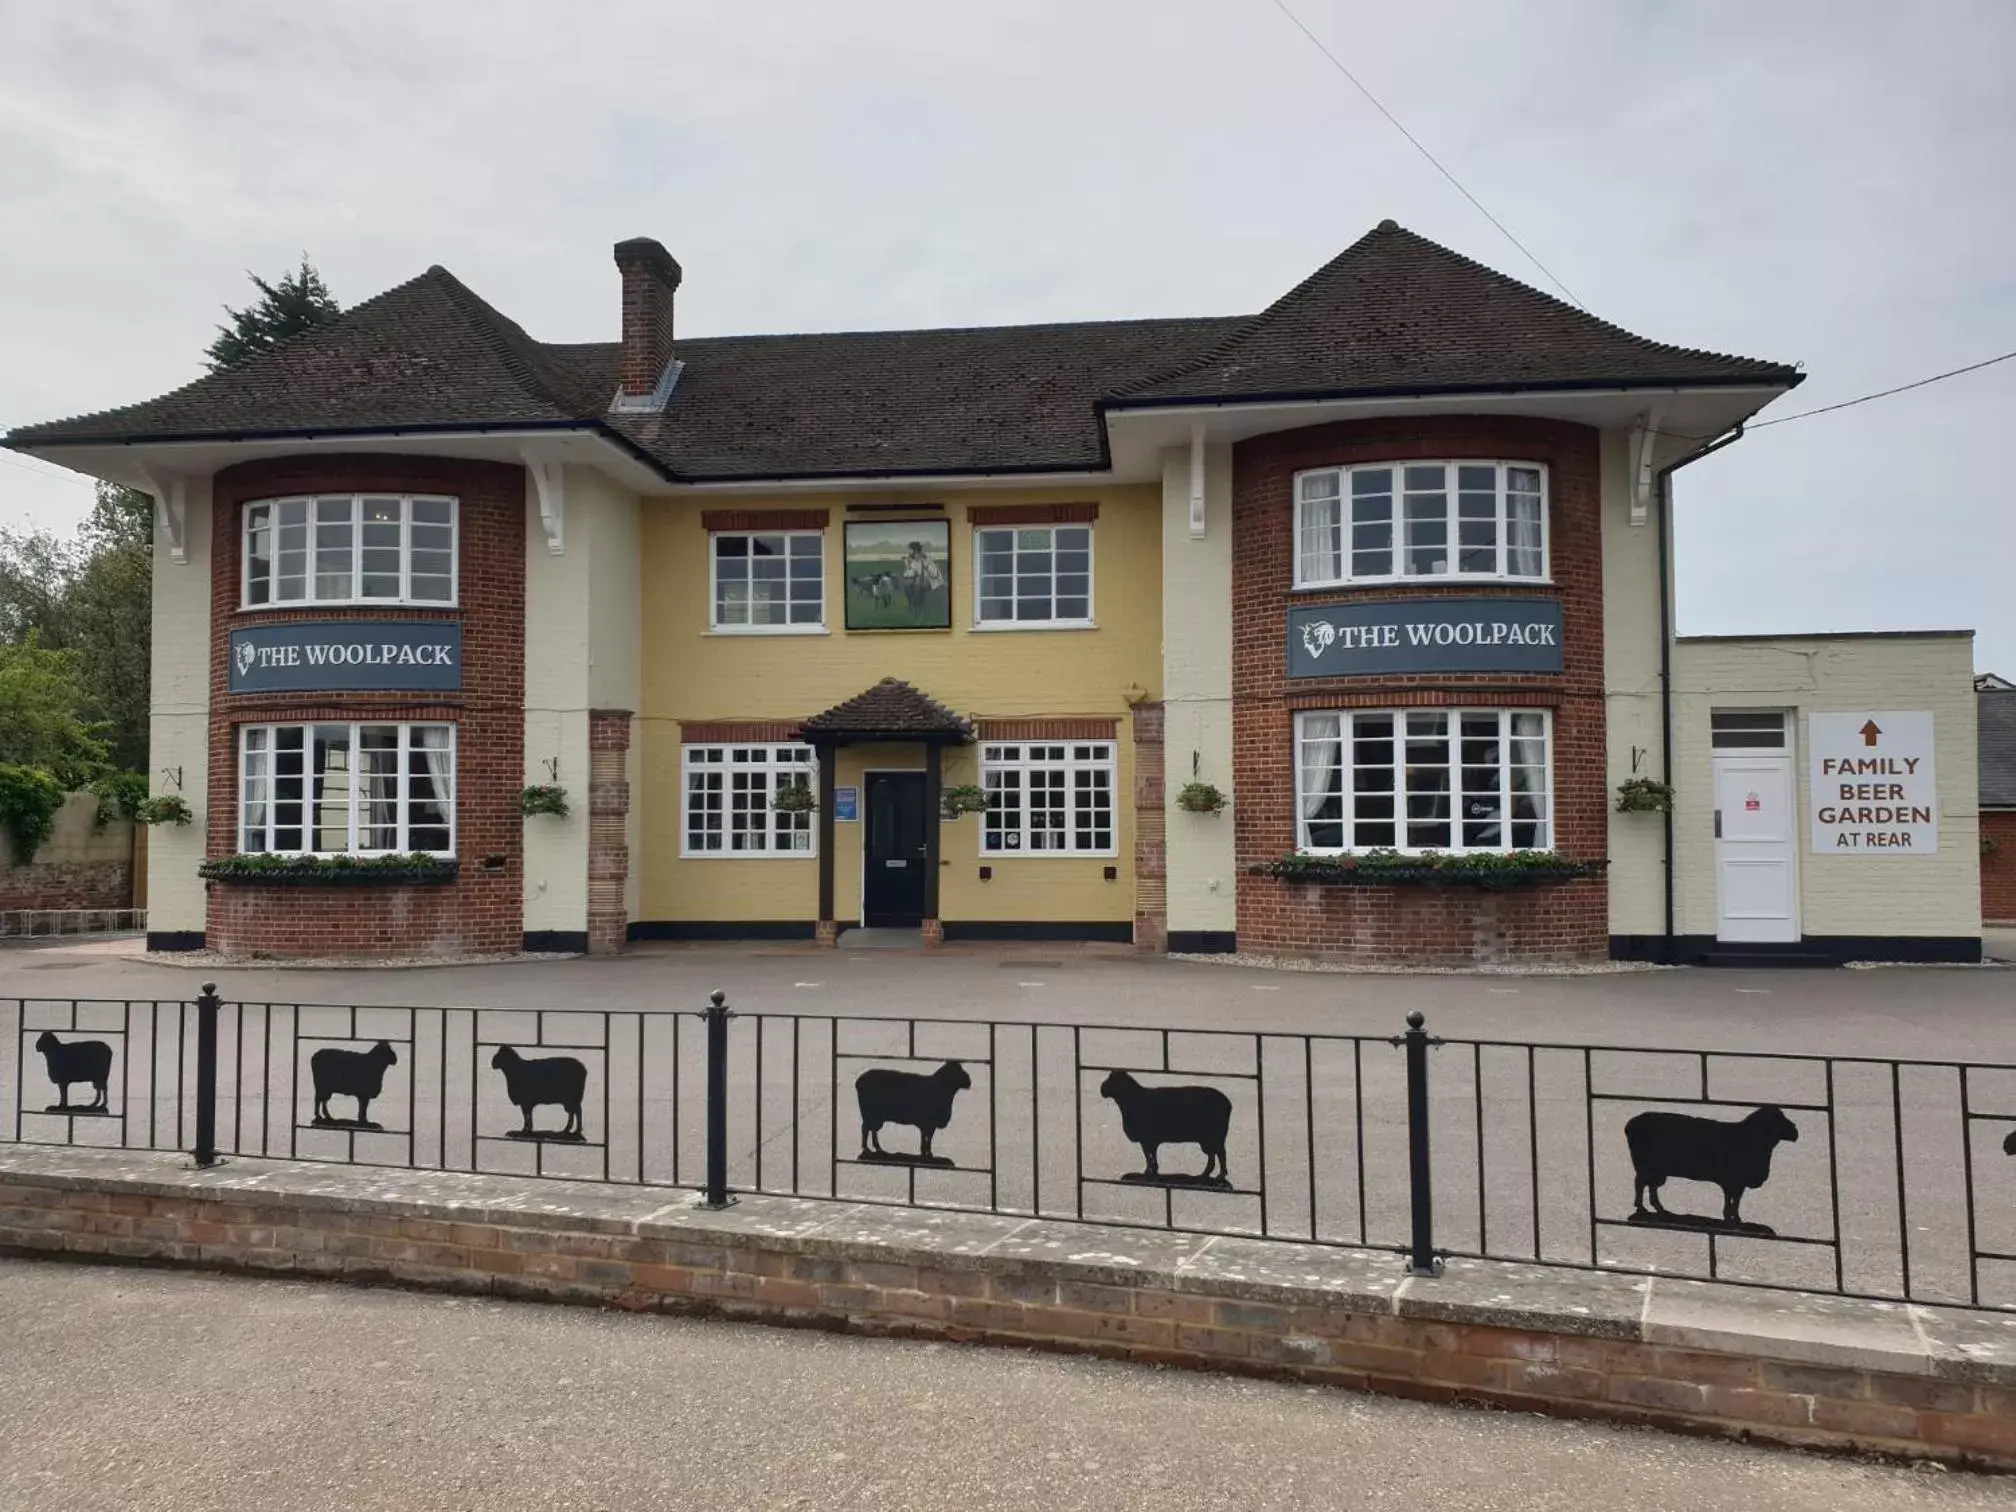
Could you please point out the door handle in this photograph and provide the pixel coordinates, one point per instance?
(1718, 824)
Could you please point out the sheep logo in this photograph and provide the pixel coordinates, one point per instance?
(79, 1061)
(349, 1073)
(1154, 1116)
(1733, 1156)
(1318, 636)
(559, 1080)
(245, 655)
(924, 1102)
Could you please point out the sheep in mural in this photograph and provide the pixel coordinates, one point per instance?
(1154, 1116)
(1733, 1156)
(907, 1097)
(79, 1061)
(559, 1080)
(350, 1073)
(879, 586)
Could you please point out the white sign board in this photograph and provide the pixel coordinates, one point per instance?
(1874, 790)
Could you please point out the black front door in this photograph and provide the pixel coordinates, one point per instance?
(893, 889)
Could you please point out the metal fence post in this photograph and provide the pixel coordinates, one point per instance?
(717, 1014)
(1421, 1260)
(207, 1004)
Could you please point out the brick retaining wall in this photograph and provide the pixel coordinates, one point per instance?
(1824, 1372)
(66, 884)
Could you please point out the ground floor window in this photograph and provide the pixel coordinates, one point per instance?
(1424, 779)
(730, 795)
(346, 789)
(1049, 799)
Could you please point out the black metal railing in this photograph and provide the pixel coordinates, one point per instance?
(1844, 1174)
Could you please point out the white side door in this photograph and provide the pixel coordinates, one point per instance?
(1756, 849)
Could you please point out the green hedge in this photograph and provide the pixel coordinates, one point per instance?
(1497, 871)
(362, 870)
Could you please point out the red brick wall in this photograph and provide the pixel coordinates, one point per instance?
(483, 911)
(1151, 830)
(1405, 924)
(1998, 868)
(67, 884)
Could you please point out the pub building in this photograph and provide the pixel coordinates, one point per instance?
(1342, 629)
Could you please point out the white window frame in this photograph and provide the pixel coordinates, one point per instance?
(1091, 618)
(308, 806)
(770, 768)
(1347, 717)
(1397, 466)
(310, 598)
(715, 626)
(993, 764)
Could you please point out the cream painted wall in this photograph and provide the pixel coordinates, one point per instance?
(1631, 638)
(1846, 894)
(688, 674)
(179, 717)
(76, 836)
(1197, 694)
(581, 653)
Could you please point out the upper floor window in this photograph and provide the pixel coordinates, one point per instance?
(1393, 521)
(772, 581)
(351, 549)
(1034, 575)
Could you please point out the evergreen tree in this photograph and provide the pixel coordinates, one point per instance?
(299, 302)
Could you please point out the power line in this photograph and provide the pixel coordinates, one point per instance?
(39, 470)
(1338, 63)
(1902, 388)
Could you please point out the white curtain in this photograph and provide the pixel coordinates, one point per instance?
(440, 773)
(1321, 757)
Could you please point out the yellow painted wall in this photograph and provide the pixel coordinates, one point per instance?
(689, 675)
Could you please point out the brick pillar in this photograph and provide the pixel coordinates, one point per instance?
(934, 933)
(608, 818)
(1151, 828)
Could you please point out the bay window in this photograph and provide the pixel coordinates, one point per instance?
(350, 549)
(730, 791)
(1394, 521)
(1424, 779)
(1048, 799)
(346, 789)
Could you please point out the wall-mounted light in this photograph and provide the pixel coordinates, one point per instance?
(986, 874)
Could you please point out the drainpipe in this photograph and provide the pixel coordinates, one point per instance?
(1663, 488)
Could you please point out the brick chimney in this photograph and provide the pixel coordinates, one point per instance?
(650, 279)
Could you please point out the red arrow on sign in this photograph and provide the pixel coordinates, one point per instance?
(1869, 732)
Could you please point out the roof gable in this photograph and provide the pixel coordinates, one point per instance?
(892, 708)
(1395, 312)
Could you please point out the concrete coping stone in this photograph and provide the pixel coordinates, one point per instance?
(1893, 1337)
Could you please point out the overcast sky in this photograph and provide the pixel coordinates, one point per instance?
(1824, 183)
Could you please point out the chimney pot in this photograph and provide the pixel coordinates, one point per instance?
(650, 280)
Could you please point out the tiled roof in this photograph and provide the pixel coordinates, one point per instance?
(1998, 747)
(891, 707)
(1393, 312)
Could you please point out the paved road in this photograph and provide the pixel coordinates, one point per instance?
(131, 1389)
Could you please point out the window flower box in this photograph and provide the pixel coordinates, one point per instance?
(263, 868)
(1488, 871)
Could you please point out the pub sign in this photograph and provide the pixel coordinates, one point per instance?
(1386, 636)
(347, 656)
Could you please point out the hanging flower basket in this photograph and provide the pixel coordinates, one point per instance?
(1488, 871)
(795, 799)
(1200, 798)
(543, 799)
(1644, 795)
(962, 798)
(168, 808)
(323, 871)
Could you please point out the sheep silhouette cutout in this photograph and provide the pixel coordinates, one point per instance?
(2009, 1144)
(1154, 1116)
(349, 1073)
(558, 1080)
(923, 1101)
(88, 1061)
(1735, 1156)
